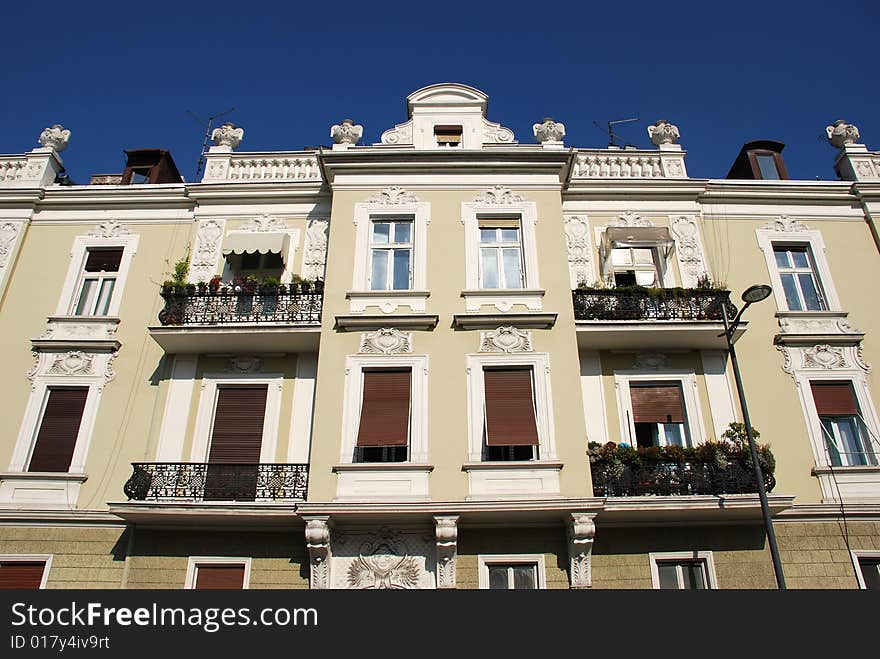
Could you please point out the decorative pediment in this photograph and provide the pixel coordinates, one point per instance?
(785, 224)
(506, 339)
(446, 94)
(499, 195)
(630, 219)
(393, 196)
(109, 229)
(386, 341)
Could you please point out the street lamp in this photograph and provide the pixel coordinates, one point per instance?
(753, 294)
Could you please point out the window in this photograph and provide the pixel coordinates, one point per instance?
(22, 573)
(658, 414)
(510, 431)
(383, 431)
(511, 572)
(767, 165)
(501, 263)
(140, 175)
(448, 136)
(635, 266)
(236, 444)
(390, 255)
(846, 437)
(868, 569)
(59, 429)
(797, 270)
(97, 281)
(683, 570)
(218, 573)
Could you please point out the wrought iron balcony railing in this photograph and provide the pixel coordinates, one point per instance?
(638, 303)
(186, 481)
(671, 478)
(204, 305)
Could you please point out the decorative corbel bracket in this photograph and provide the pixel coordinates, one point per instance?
(318, 544)
(446, 529)
(581, 532)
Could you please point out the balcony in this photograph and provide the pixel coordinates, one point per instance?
(194, 482)
(638, 317)
(283, 318)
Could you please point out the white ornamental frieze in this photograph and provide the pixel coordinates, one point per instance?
(688, 249)
(315, 255)
(499, 195)
(785, 224)
(206, 253)
(386, 341)
(393, 196)
(630, 219)
(110, 229)
(506, 339)
(264, 224)
(387, 559)
(9, 232)
(580, 250)
(824, 356)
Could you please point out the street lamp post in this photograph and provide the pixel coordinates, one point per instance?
(752, 294)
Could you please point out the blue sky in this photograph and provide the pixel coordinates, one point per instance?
(123, 75)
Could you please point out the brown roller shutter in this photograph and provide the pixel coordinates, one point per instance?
(24, 575)
(510, 410)
(659, 403)
(834, 399)
(106, 260)
(238, 425)
(385, 408)
(219, 576)
(59, 429)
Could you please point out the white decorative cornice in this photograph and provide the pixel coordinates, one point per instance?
(506, 339)
(110, 229)
(228, 135)
(446, 533)
(243, 364)
(630, 219)
(650, 361)
(264, 224)
(499, 195)
(581, 532)
(549, 131)
(386, 341)
(393, 196)
(785, 224)
(55, 137)
(841, 133)
(347, 132)
(662, 132)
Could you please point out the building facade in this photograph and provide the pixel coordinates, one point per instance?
(450, 359)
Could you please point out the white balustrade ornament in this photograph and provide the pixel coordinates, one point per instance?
(280, 168)
(840, 133)
(617, 165)
(549, 132)
(228, 135)
(55, 137)
(662, 132)
(347, 133)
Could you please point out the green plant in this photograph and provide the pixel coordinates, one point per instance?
(181, 270)
(270, 281)
(736, 433)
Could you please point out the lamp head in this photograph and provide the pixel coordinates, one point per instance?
(756, 293)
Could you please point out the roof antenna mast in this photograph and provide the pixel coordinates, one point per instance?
(209, 125)
(610, 130)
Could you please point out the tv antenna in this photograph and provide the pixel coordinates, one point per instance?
(610, 130)
(209, 125)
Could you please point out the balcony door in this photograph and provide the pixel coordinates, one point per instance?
(236, 440)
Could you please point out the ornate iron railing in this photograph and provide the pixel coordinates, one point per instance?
(203, 305)
(637, 303)
(186, 481)
(669, 478)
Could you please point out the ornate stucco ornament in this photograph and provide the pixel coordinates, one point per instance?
(110, 229)
(840, 133)
(663, 132)
(506, 339)
(386, 341)
(384, 571)
(228, 135)
(318, 543)
(55, 137)
(549, 131)
(499, 195)
(393, 195)
(347, 132)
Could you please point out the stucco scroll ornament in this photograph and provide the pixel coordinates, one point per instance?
(581, 531)
(446, 533)
(785, 224)
(386, 341)
(687, 242)
(228, 135)
(393, 195)
(630, 219)
(663, 132)
(400, 134)
(824, 356)
(506, 339)
(110, 229)
(72, 363)
(315, 256)
(264, 224)
(860, 359)
(580, 251)
(841, 133)
(384, 571)
(549, 131)
(318, 544)
(499, 195)
(347, 132)
(207, 249)
(786, 355)
(494, 133)
(55, 137)
(8, 234)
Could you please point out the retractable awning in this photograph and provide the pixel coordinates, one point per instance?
(248, 243)
(637, 237)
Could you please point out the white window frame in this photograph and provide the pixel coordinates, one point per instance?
(208, 404)
(656, 267)
(539, 362)
(473, 213)
(687, 379)
(856, 554)
(812, 239)
(353, 399)
(31, 558)
(485, 560)
(78, 254)
(666, 273)
(499, 247)
(390, 247)
(812, 270)
(677, 556)
(365, 214)
(194, 562)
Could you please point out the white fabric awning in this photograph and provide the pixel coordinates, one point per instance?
(248, 243)
(637, 237)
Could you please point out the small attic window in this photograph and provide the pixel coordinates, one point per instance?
(140, 175)
(448, 136)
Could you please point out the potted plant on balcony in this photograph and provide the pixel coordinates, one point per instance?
(214, 284)
(269, 285)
